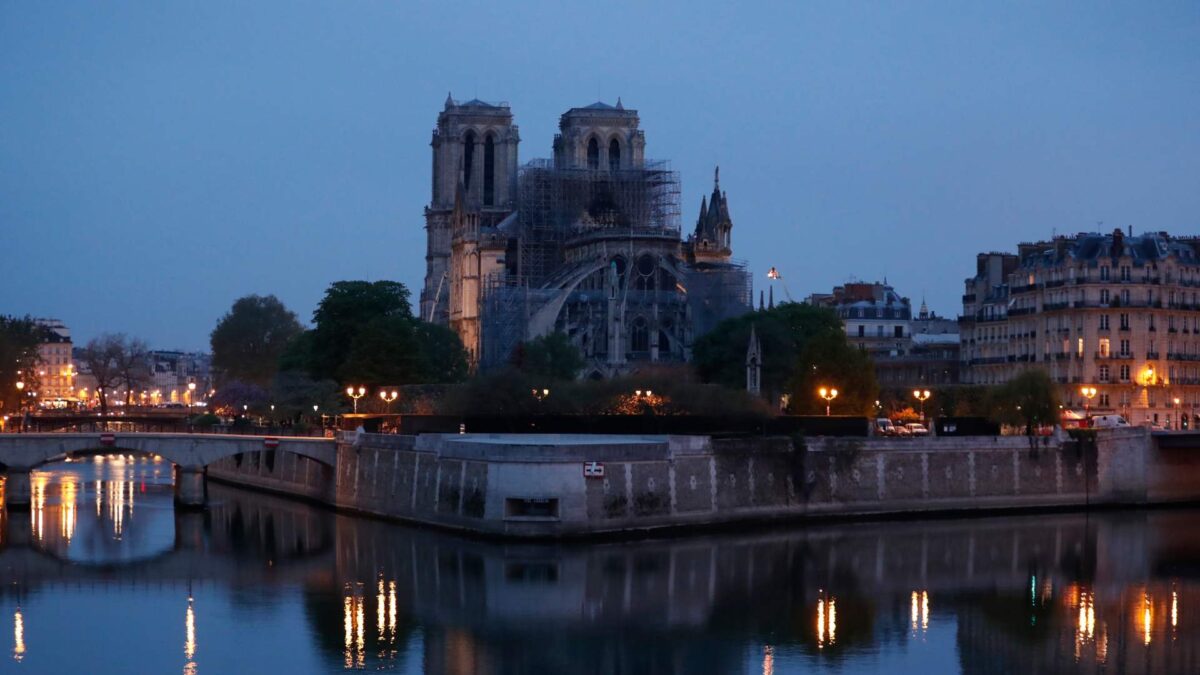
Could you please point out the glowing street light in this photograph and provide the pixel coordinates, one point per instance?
(191, 393)
(828, 395)
(389, 397)
(921, 395)
(541, 394)
(356, 394)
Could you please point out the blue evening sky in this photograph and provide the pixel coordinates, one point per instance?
(159, 160)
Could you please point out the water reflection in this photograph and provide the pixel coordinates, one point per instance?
(1110, 592)
(113, 483)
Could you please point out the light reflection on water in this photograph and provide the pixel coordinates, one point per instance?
(262, 584)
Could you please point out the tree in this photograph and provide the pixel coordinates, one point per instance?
(395, 350)
(134, 366)
(1028, 400)
(19, 340)
(235, 398)
(720, 355)
(444, 359)
(251, 337)
(828, 360)
(294, 394)
(549, 356)
(348, 306)
(102, 357)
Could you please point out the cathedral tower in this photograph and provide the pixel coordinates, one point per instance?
(599, 137)
(475, 151)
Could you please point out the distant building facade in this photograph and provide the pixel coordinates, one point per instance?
(587, 243)
(1117, 312)
(56, 365)
(907, 351)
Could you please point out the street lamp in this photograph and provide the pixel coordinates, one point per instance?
(1088, 394)
(356, 394)
(191, 393)
(921, 395)
(389, 397)
(828, 395)
(541, 394)
(1178, 420)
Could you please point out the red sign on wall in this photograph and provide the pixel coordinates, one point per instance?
(107, 439)
(271, 443)
(593, 470)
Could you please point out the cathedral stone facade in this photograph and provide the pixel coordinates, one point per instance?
(587, 244)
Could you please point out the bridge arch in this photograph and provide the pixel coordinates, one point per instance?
(190, 453)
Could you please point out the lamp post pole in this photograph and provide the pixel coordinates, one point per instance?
(389, 397)
(356, 394)
(1088, 394)
(828, 395)
(921, 395)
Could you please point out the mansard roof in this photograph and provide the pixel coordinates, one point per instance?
(1091, 247)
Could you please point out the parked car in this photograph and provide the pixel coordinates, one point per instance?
(884, 427)
(902, 430)
(917, 429)
(1108, 422)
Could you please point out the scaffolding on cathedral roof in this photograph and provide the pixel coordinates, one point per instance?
(557, 204)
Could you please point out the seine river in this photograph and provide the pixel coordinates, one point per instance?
(103, 576)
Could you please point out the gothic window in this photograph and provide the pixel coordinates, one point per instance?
(646, 269)
(489, 171)
(593, 154)
(639, 341)
(614, 155)
(468, 158)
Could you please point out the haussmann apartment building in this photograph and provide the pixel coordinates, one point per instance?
(1117, 312)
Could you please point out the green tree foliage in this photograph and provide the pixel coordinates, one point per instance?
(19, 340)
(297, 353)
(944, 401)
(395, 350)
(828, 360)
(250, 339)
(551, 357)
(785, 333)
(347, 308)
(512, 392)
(294, 394)
(1029, 400)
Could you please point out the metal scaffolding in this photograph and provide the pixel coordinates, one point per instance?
(557, 204)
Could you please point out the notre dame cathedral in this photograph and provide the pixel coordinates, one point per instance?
(587, 243)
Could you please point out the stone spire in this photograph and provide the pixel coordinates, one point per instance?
(754, 363)
(711, 240)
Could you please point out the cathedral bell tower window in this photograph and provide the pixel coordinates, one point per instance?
(593, 154)
(468, 158)
(614, 156)
(489, 171)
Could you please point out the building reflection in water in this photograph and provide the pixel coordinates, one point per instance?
(826, 621)
(18, 635)
(919, 612)
(353, 618)
(189, 642)
(1052, 593)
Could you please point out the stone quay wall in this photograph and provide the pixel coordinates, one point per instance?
(535, 486)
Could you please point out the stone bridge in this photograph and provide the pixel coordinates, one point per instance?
(190, 453)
